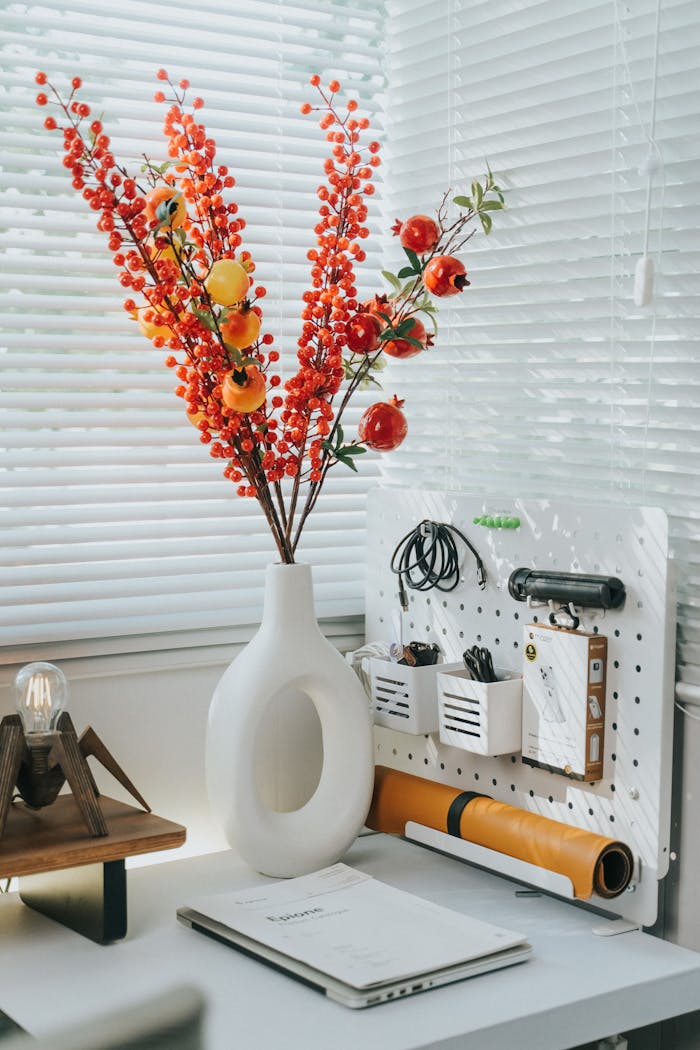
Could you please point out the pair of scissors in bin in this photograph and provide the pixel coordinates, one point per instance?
(479, 662)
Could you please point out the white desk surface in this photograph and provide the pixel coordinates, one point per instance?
(577, 987)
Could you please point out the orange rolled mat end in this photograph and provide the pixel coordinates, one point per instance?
(593, 863)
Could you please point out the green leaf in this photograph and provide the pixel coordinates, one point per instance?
(205, 318)
(384, 317)
(486, 223)
(234, 354)
(404, 326)
(407, 271)
(409, 288)
(392, 279)
(347, 462)
(367, 381)
(327, 447)
(462, 202)
(477, 194)
(352, 450)
(414, 260)
(491, 206)
(413, 342)
(339, 435)
(431, 315)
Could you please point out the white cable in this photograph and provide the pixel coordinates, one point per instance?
(687, 712)
(644, 270)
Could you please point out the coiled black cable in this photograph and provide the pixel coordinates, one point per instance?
(427, 558)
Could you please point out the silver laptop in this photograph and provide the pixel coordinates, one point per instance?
(357, 940)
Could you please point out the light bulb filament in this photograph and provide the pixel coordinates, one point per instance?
(41, 693)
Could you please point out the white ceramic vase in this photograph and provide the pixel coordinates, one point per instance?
(287, 664)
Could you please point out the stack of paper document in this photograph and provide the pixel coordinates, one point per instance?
(353, 937)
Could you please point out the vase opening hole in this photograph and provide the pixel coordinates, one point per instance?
(289, 752)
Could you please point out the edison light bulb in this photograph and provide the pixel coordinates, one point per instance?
(41, 692)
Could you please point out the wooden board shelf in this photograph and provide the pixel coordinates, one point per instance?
(54, 838)
(78, 880)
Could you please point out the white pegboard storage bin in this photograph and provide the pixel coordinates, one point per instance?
(405, 698)
(482, 717)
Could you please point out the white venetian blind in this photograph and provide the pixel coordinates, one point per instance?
(547, 380)
(115, 521)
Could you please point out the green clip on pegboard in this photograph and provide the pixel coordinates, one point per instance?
(497, 522)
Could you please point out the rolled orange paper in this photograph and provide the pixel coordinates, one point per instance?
(592, 862)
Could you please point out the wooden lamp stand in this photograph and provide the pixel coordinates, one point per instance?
(79, 881)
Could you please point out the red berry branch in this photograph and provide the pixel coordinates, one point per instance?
(176, 242)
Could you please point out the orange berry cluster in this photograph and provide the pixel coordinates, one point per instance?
(168, 264)
(329, 304)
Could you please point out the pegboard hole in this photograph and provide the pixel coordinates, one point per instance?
(394, 751)
(498, 612)
(614, 757)
(638, 668)
(497, 641)
(442, 765)
(590, 812)
(612, 818)
(635, 762)
(616, 663)
(636, 731)
(595, 630)
(571, 805)
(478, 637)
(615, 695)
(461, 606)
(444, 630)
(459, 771)
(535, 619)
(637, 700)
(515, 645)
(476, 776)
(551, 798)
(614, 725)
(612, 787)
(425, 761)
(512, 787)
(639, 637)
(516, 616)
(444, 605)
(461, 634)
(513, 759)
(411, 625)
(494, 781)
(410, 757)
(479, 609)
(381, 619)
(428, 601)
(617, 632)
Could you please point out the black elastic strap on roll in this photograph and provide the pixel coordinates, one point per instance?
(457, 807)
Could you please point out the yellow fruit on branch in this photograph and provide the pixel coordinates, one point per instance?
(241, 327)
(227, 282)
(165, 205)
(243, 389)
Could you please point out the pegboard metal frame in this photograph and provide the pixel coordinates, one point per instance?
(632, 801)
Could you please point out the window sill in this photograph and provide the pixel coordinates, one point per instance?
(105, 657)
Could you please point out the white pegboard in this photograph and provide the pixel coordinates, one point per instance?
(632, 801)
